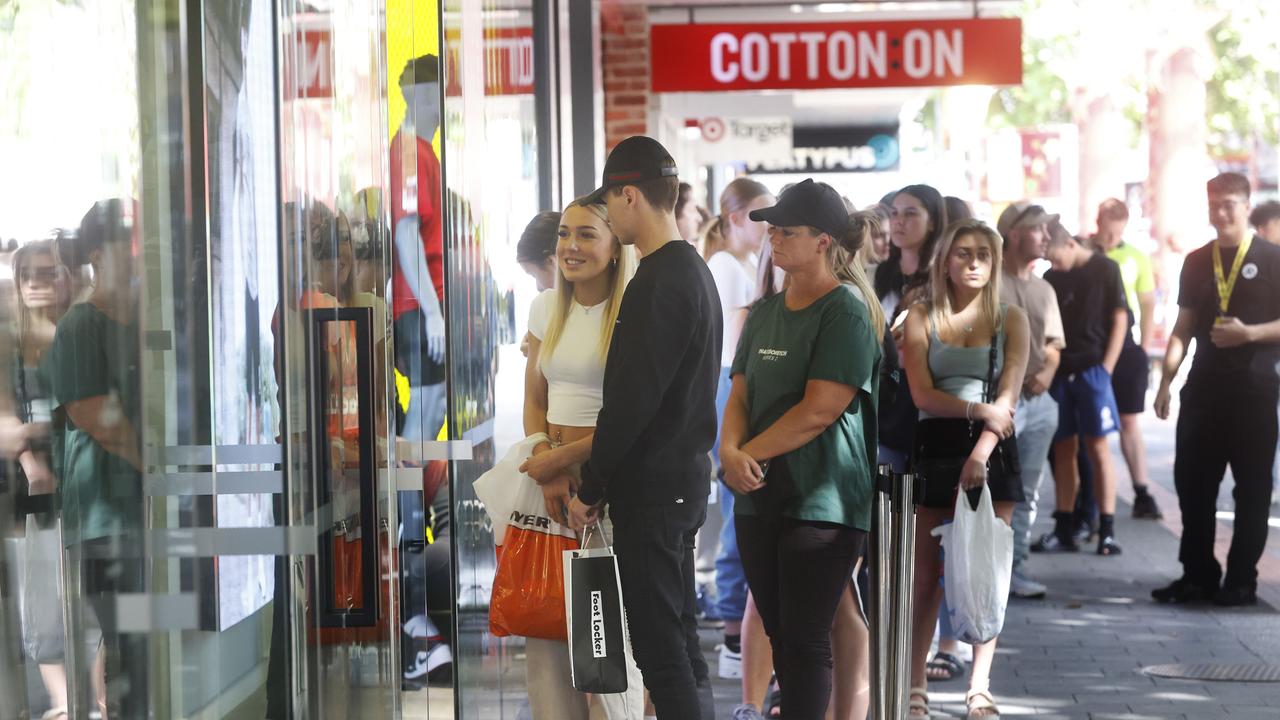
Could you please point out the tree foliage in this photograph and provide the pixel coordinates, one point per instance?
(1244, 90)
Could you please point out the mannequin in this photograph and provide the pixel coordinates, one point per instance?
(417, 307)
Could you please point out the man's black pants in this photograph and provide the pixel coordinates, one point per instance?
(798, 571)
(654, 545)
(1217, 429)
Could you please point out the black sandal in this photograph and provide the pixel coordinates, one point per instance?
(773, 701)
(1108, 546)
(946, 665)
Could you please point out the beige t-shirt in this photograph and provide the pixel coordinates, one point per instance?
(1038, 300)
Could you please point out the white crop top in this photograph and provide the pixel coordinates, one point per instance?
(575, 371)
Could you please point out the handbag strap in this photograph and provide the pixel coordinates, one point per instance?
(988, 393)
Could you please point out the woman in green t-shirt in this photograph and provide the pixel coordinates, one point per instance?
(803, 405)
(965, 355)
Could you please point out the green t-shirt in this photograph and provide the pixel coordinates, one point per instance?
(1135, 273)
(779, 352)
(93, 356)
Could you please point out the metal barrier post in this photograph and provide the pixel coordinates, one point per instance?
(893, 558)
(904, 511)
(881, 610)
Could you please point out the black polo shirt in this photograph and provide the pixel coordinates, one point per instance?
(1255, 300)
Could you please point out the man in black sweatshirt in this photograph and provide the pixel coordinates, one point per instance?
(649, 457)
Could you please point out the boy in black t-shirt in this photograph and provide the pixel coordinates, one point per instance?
(1095, 319)
(1229, 302)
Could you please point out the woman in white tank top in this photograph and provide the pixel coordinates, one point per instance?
(570, 327)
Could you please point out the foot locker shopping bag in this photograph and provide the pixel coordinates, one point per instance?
(597, 627)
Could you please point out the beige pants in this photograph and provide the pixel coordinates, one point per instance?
(550, 684)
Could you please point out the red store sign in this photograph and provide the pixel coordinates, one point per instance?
(508, 61)
(805, 56)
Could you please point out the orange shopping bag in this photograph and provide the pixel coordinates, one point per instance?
(528, 590)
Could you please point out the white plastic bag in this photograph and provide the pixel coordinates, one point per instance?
(499, 488)
(979, 561)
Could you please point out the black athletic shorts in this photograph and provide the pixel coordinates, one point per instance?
(1131, 379)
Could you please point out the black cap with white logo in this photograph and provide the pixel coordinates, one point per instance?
(808, 203)
(632, 161)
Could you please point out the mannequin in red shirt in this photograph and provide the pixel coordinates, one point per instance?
(417, 284)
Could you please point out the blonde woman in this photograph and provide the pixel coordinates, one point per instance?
(570, 328)
(965, 354)
(803, 406)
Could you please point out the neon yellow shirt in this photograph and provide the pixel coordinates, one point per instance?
(1136, 274)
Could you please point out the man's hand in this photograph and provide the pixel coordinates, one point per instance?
(741, 472)
(1110, 367)
(581, 515)
(1229, 332)
(1163, 400)
(1039, 383)
(543, 467)
(557, 494)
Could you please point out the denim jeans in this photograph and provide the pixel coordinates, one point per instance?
(1035, 422)
(731, 581)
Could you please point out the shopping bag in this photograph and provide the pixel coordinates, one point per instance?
(979, 561)
(528, 589)
(496, 488)
(597, 625)
(40, 599)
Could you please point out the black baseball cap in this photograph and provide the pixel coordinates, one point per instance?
(807, 203)
(634, 160)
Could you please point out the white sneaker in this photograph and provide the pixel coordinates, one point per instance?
(1021, 586)
(435, 656)
(730, 664)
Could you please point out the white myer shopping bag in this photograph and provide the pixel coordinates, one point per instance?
(498, 488)
(979, 561)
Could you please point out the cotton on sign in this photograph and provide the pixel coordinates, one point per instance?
(690, 58)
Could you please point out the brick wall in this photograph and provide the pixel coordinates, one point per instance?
(624, 39)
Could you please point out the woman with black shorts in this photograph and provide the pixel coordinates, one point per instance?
(965, 354)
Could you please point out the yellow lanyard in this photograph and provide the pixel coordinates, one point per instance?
(1227, 284)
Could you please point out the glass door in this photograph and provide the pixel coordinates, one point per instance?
(200, 519)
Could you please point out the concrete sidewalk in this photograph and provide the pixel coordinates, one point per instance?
(1080, 652)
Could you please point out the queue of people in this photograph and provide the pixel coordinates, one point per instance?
(760, 368)
(759, 349)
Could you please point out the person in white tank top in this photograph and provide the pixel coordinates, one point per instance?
(570, 328)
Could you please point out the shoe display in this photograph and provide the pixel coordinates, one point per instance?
(1181, 591)
(1145, 507)
(1051, 543)
(730, 663)
(1021, 586)
(1237, 596)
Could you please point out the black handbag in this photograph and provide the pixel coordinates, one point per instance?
(943, 445)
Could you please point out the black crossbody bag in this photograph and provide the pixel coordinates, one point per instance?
(943, 445)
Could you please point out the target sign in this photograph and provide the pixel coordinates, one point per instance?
(712, 129)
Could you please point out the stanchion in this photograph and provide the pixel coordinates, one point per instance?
(893, 556)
